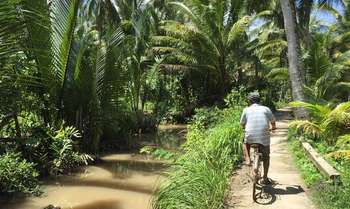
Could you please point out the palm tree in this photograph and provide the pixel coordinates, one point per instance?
(44, 35)
(294, 61)
(207, 41)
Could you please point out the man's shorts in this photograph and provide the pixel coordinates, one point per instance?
(264, 150)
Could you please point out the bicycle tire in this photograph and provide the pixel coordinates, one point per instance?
(254, 191)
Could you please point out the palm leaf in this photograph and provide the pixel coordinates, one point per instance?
(63, 20)
(319, 112)
(238, 29)
(340, 154)
(278, 74)
(307, 127)
(343, 140)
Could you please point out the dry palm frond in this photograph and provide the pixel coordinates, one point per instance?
(307, 127)
(341, 154)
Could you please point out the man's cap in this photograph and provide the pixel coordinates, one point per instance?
(253, 95)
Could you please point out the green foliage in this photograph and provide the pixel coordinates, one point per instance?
(325, 123)
(207, 116)
(158, 153)
(62, 151)
(326, 195)
(236, 98)
(199, 178)
(308, 171)
(54, 151)
(17, 175)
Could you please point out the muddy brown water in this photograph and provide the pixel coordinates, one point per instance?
(120, 181)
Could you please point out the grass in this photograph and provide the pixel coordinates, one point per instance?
(307, 170)
(199, 178)
(325, 194)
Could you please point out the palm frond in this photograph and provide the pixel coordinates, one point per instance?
(307, 127)
(319, 112)
(238, 29)
(340, 154)
(339, 116)
(278, 74)
(63, 19)
(343, 140)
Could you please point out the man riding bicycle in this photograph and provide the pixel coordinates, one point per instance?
(256, 120)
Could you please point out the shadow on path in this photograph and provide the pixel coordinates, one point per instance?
(268, 196)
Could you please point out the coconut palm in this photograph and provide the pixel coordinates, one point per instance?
(294, 61)
(207, 41)
(44, 36)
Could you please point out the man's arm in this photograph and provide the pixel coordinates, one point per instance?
(243, 120)
(272, 119)
(273, 125)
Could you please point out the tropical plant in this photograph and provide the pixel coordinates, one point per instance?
(206, 44)
(17, 175)
(325, 122)
(64, 157)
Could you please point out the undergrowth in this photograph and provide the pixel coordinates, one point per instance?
(199, 178)
(326, 194)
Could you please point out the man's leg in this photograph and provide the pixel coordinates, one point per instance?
(246, 152)
(266, 161)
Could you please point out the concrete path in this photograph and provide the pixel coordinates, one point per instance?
(288, 190)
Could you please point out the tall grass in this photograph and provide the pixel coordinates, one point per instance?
(199, 178)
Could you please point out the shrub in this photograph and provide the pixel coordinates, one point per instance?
(63, 155)
(206, 116)
(53, 151)
(17, 175)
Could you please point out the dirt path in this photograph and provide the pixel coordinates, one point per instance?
(288, 190)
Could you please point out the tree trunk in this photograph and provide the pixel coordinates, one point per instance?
(293, 55)
(17, 126)
(223, 77)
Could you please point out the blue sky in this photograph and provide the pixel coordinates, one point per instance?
(326, 16)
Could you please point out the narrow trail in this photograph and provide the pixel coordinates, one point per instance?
(288, 190)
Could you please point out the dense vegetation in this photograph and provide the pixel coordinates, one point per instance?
(76, 75)
(199, 177)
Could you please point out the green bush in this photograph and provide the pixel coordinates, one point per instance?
(199, 178)
(64, 157)
(17, 175)
(54, 151)
(207, 116)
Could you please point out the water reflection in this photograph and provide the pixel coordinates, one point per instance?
(100, 204)
(118, 181)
